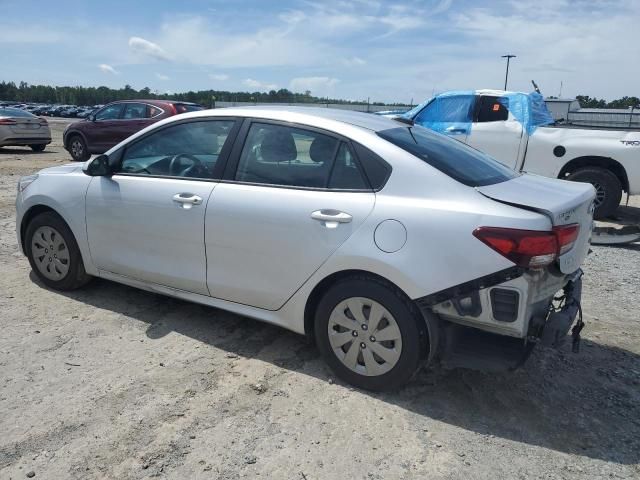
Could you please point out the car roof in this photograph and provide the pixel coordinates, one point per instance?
(152, 101)
(302, 115)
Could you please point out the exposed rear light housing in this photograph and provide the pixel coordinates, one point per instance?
(529, 248)
(7, 121)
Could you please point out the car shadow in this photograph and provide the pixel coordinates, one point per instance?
(586, 404)
(23, 151)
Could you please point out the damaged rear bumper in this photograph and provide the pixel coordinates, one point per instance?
(497, 325)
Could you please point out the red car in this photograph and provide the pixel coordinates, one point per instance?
(114, 122)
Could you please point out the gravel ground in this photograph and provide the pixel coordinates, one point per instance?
(113, 382)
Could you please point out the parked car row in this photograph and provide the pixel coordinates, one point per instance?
(48, 110)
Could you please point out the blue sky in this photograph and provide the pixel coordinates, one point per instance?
(354, 49)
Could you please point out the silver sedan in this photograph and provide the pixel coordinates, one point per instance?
(389, 244)
(21, 128)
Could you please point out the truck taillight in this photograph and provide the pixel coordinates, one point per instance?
(529, 248)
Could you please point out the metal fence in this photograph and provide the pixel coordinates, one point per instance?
(364, 107)
(604, 117)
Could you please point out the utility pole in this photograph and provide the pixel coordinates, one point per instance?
(506, 76)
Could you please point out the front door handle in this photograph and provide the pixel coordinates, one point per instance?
(187, 200)
(331, 218)
(456, 130)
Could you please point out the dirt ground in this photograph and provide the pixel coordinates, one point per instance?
(113, 382)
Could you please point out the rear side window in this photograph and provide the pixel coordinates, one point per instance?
(490, 109)
(187, 107)
(375, 168)
(135, 111)
(346, 173)
(455, 159)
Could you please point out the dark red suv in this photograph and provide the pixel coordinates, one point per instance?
(114, 122)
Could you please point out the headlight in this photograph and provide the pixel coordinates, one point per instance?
(24, 182)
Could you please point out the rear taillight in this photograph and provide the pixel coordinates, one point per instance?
(7, 121)
(43, 121)
(529, 248)
(567, 236)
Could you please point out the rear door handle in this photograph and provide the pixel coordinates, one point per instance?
(331, 218)
(187, 200)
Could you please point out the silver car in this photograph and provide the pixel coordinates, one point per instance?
(21, 128)
(389, 244)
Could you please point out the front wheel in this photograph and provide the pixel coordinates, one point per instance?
(608, 189)
(369, 334)
(78, 149)
(53, 253)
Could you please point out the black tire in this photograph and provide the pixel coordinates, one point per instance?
(76, 275)
(412, 328)
(78, 148)
(608, 188)
(39, 148)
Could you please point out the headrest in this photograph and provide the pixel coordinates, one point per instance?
(322, 149)
(278, 146)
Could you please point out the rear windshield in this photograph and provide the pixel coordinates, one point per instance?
(459, 161)
(187, 107)
(14, 112)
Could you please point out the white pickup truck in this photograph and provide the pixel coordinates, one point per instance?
(517, 129)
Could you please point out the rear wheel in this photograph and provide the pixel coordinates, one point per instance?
(39, 148)
(369, 334)
(607, 185)
(78, 149)
(53, 253)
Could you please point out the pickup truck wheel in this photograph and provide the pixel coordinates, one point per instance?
(78, 149)
(53, 253)
(607, 185)
(369, 335)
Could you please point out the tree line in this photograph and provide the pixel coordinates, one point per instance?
(625, 102)
(24, 92)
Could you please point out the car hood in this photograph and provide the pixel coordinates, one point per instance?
(61, 169)
(562, 201)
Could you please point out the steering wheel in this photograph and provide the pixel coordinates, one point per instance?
(177, 168)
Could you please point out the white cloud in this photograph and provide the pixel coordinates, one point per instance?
(220, 77)
(259, 86)
(353, 62)
(147, 48)
(320, 86)
(108, 69)
(162, 76)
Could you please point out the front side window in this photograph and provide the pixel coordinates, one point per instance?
(455, 159)
(283, 155)
(110, 112)
(183, 150)
(135, 111)
(491, 109)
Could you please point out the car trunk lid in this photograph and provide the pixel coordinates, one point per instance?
(26, 125)
(563, 202)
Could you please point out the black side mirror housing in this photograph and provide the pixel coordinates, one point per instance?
(91, 117)
(98, 167)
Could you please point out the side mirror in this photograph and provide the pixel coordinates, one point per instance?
(91, 117)
(98, 167)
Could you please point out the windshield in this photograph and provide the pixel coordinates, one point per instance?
(457, 160)
(415, 110)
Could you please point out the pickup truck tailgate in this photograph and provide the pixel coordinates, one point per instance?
(562, 201)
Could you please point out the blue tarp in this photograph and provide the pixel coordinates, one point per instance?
(449, 113)
(528, 109)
